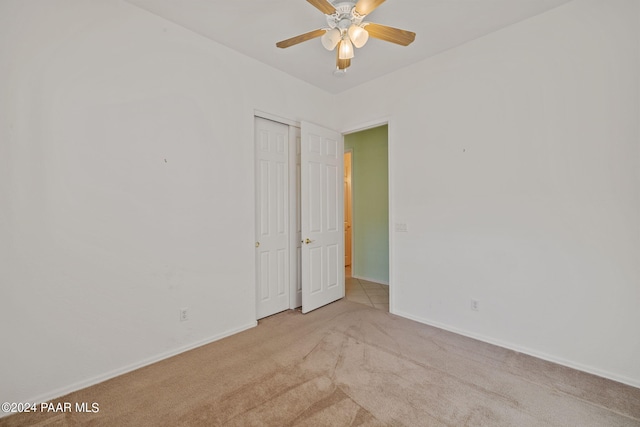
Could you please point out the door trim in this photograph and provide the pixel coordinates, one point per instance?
(276, 118)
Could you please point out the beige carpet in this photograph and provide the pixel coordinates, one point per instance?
(349, 364)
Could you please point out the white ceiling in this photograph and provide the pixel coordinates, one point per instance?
(253, 27)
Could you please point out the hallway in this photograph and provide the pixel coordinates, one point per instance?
(364, 292)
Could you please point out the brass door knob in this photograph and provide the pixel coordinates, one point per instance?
(308, 240)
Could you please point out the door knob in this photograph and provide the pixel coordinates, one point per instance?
(257, 244)
(308, 240)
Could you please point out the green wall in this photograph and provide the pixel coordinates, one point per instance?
(370, 187)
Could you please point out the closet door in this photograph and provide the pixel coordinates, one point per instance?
(322, 214)
(272, 217)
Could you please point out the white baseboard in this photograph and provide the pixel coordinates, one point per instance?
(540, 355)
(46, 397)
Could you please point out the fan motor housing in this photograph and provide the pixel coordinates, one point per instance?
(345, 14)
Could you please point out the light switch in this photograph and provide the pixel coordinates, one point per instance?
(401, 227)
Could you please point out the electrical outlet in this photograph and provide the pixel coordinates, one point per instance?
(184, 314)
(475, 305)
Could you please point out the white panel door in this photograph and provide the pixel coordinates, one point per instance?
(272, 217)
(322, 216)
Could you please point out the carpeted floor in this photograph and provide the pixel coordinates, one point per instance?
(349, 364)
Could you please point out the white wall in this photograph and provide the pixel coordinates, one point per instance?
(126, 189)
(514, 161)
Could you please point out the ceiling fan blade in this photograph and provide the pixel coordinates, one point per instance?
(342, 64)
(365, 7)
(299, 39)
(390, 34)
(323, 6)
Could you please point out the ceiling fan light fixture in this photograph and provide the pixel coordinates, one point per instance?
(331, 38)
(358, 35)
(346, 28)
(345, 51)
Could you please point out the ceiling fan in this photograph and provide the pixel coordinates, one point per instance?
(346, 29)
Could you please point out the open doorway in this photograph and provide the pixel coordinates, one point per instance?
(367, 217)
